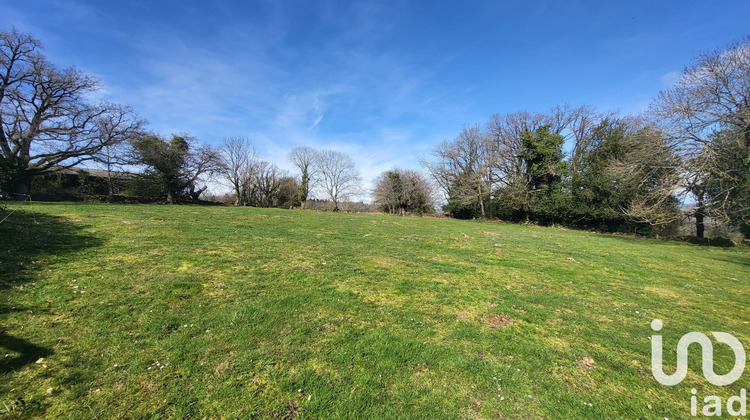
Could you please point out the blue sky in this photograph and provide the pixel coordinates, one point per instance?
(381, 80)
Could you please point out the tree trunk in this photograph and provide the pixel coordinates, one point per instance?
(304, 189)
(170, 197)
(481, 200)
(23, 189)
(700, 227)
(22, 185)
(110, 182)
(110, 186)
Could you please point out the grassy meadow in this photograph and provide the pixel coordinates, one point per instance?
(148, 311)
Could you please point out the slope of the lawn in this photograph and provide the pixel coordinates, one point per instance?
(190, 312)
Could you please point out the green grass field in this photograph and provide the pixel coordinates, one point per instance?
(146, 311)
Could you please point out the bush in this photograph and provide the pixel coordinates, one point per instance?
(145, 187)
(725, 230)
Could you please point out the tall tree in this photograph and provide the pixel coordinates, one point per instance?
(626, 175)
(46, 122)
(238, 157)
(304, 159)
(710, 100)
(462, 169)
(398, 191)
(264, 184)
(288, 194)
(596, 193)
(542, 157)
(650, 175)
(201, 164)
(179, 164)
(508, 173)
(728, 180)
(115, 132)
(339, 177)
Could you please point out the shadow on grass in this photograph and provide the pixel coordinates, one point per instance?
(29, 237)
(28, 352)
(736, 259)
(26, 239)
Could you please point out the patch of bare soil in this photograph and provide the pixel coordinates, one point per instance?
(586, 362)
(498, 320)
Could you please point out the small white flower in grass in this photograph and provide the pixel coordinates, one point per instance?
(529, 396)
(115, 364)
(309, 397)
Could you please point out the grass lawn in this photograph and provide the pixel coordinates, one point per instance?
(146, 311)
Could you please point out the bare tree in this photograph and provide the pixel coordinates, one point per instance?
(462, 167)
(237, 160)
(115, 131)
(581, 123)
(339, 177)
(504, 137)
(711, 100)
(200, 165)
(304, 159)
(648, 174)
(46, 122)
(504, 133)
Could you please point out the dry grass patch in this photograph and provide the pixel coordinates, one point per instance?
(499, 320)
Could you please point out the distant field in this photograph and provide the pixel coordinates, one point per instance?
(149, 311)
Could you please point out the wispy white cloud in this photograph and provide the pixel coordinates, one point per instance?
(670, 78)
(382, 81)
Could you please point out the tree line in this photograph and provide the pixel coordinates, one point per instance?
(688, 155)
(621, 173)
